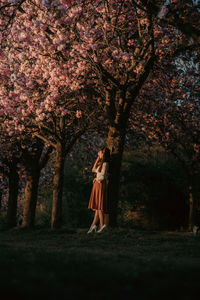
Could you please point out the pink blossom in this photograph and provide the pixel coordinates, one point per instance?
(78, 114)
(22, 36)
(162, 13)
(131, 43)
(13, 77)
(138, 68)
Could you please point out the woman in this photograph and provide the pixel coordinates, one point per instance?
(99, 195)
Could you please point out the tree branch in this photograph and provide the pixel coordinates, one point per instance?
(36, 134)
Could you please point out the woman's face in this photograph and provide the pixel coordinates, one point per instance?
(100, 154)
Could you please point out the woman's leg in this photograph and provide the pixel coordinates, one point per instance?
(100, 218)
(106, 219)
(96, 218)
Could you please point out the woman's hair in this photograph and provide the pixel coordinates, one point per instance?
(106, 157)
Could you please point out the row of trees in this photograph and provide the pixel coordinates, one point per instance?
(172, 119)
(67, 66)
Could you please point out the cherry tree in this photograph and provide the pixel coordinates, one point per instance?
(29, 151)
(107, 48)
(9, 169)
(44, 104)
(18, 156)
(172, 118)
(9, 151)
(120, 42)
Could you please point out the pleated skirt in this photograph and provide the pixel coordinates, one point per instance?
(99, 196)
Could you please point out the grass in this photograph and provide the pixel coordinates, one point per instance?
(117, 264)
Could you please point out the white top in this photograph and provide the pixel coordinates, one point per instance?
(103, 174)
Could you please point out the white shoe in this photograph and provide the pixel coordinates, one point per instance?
(93, 228)
(196, 230)
(102, 228)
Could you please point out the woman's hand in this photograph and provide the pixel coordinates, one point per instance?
(100, 154)
(95, 164)
(94, 180)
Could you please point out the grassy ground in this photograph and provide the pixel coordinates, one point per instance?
(117, 264)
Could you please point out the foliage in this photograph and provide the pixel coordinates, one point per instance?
(77, 188)
(62, 63)
(154, 190)
(2, 222)
(43, 209)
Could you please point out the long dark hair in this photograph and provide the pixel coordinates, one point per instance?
(106, 157)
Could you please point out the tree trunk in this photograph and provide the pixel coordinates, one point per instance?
(56, 217)
(31, 192)
(1, 193)
(13, 179)
(192, 209)
(115, 142)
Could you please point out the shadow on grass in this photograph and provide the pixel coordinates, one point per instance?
(119, 264)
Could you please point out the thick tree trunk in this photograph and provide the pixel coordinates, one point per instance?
(31, 192)
(13, 179)
(1, 193)
(192, 209)
(56, 217)
(115, 142)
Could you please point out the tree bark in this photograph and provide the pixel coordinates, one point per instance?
(56, 217)
(0, 199)
(31, 192)
(115, 142)
(192, 209)
(13, 179)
